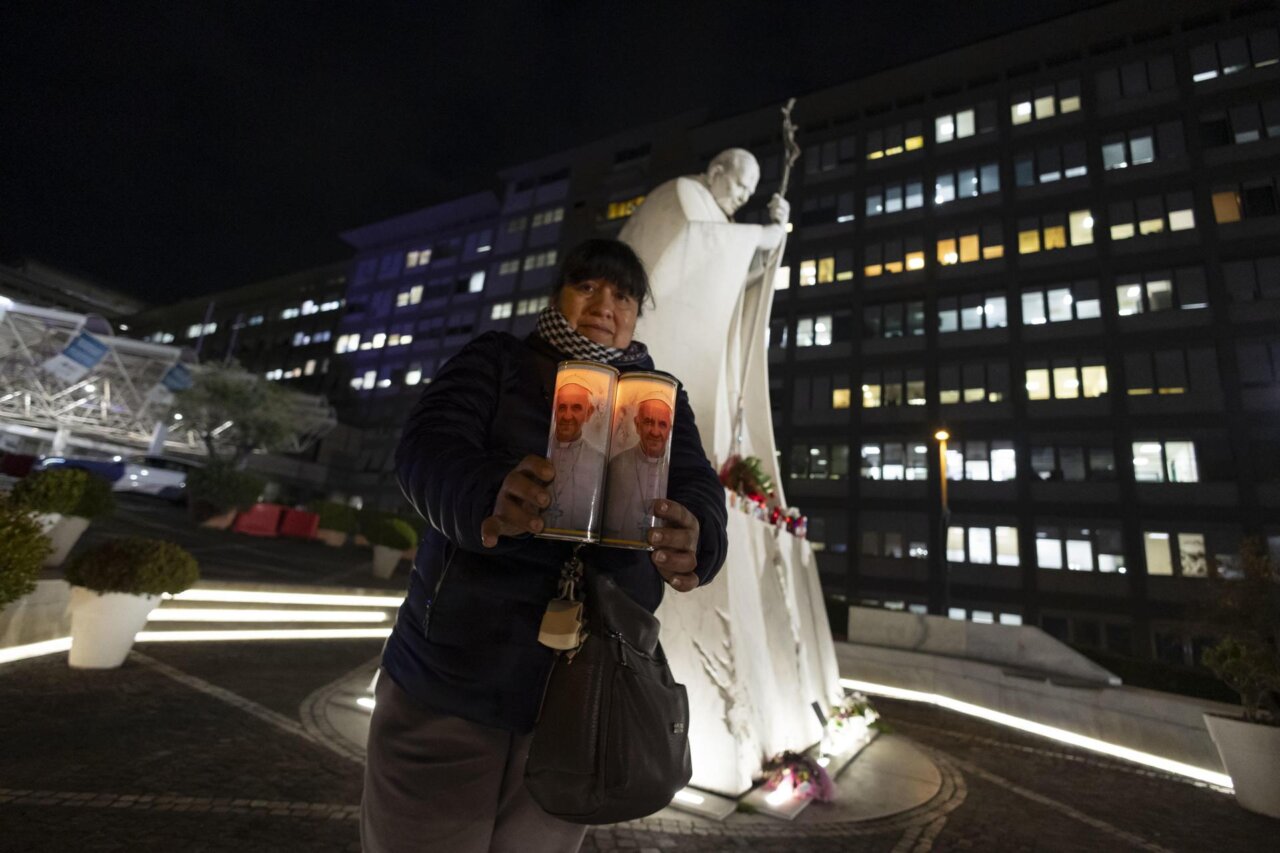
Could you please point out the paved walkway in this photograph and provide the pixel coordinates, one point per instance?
(220, 747)
(207, 747)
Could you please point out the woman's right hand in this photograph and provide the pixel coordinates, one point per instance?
(521, 499)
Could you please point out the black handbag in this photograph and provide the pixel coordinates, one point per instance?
(611, 743)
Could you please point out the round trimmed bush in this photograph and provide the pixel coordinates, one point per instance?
(97, 499)
(392, 532)
(134, 565)
(334, 516)
(52, 490)
(221, 487)
(23, 549)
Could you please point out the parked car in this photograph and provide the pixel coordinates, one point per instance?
(161, 476)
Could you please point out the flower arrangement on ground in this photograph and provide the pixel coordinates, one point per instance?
(849, 723)
(795, 775)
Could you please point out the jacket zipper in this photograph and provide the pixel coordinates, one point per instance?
(435, 593)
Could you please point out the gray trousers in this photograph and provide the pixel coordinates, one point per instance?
(435, 782)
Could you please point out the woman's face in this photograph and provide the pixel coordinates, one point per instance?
(600, 312)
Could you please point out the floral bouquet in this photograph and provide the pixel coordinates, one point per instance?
(746, 477)
(848, 723)
(797, 775)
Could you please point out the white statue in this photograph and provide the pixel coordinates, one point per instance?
(754, 648)
(704, 271)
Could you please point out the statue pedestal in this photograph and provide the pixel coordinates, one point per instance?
(755, 652)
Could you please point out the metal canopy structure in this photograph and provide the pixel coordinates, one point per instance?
(71, 374)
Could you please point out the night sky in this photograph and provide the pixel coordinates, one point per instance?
(172, 148)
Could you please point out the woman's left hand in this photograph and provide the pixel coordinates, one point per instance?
(675, 545)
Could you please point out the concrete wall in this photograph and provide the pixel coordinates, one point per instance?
(1020, 647)
(971, 665)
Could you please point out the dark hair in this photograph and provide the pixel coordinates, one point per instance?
(611, 260)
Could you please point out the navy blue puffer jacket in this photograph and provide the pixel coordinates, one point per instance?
(465, 641)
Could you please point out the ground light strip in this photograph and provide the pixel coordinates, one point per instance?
(192, 614)
(263, 634)
(1155, 762)
(245, 596)
(33, 650)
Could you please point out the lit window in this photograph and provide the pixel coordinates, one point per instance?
(1037, 383)
(1055, 237)
(1080, 223)
(871, 396)
(1028, 241)
(413, 375)
(1156, 546)
(947, 253)
(1192, 555)
(1093, 380)
(1227, 207)
(622, 209)
(379, 340)
(808, 273)
(840, 398)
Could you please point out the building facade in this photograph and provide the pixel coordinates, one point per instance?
(282, 328)
(1059, 245)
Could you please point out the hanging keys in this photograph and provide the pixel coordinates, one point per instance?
(562, 626)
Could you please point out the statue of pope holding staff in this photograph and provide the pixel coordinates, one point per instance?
(712, 283)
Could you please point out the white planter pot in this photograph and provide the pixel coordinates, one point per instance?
(385, 560)
(1251, 754)
(103, 626)
(64, 536)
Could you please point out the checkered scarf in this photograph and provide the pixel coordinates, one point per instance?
(554, 328)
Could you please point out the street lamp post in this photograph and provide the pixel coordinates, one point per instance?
(942, 435)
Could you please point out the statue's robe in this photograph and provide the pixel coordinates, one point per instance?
(753, 649)
(705, 273)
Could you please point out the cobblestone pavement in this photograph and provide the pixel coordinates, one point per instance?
(200, 748)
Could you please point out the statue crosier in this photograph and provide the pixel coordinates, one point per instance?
(704, 269)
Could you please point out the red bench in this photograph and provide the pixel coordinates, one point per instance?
(260, 520)
(299, 524)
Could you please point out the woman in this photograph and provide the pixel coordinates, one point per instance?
(463, 672)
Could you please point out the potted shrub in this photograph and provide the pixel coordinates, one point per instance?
(73, 498)
(337, 521)
(218, 491)
(23, 548)
(1246, 614)
(114, 587)
(49, 496)
(390, 538)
